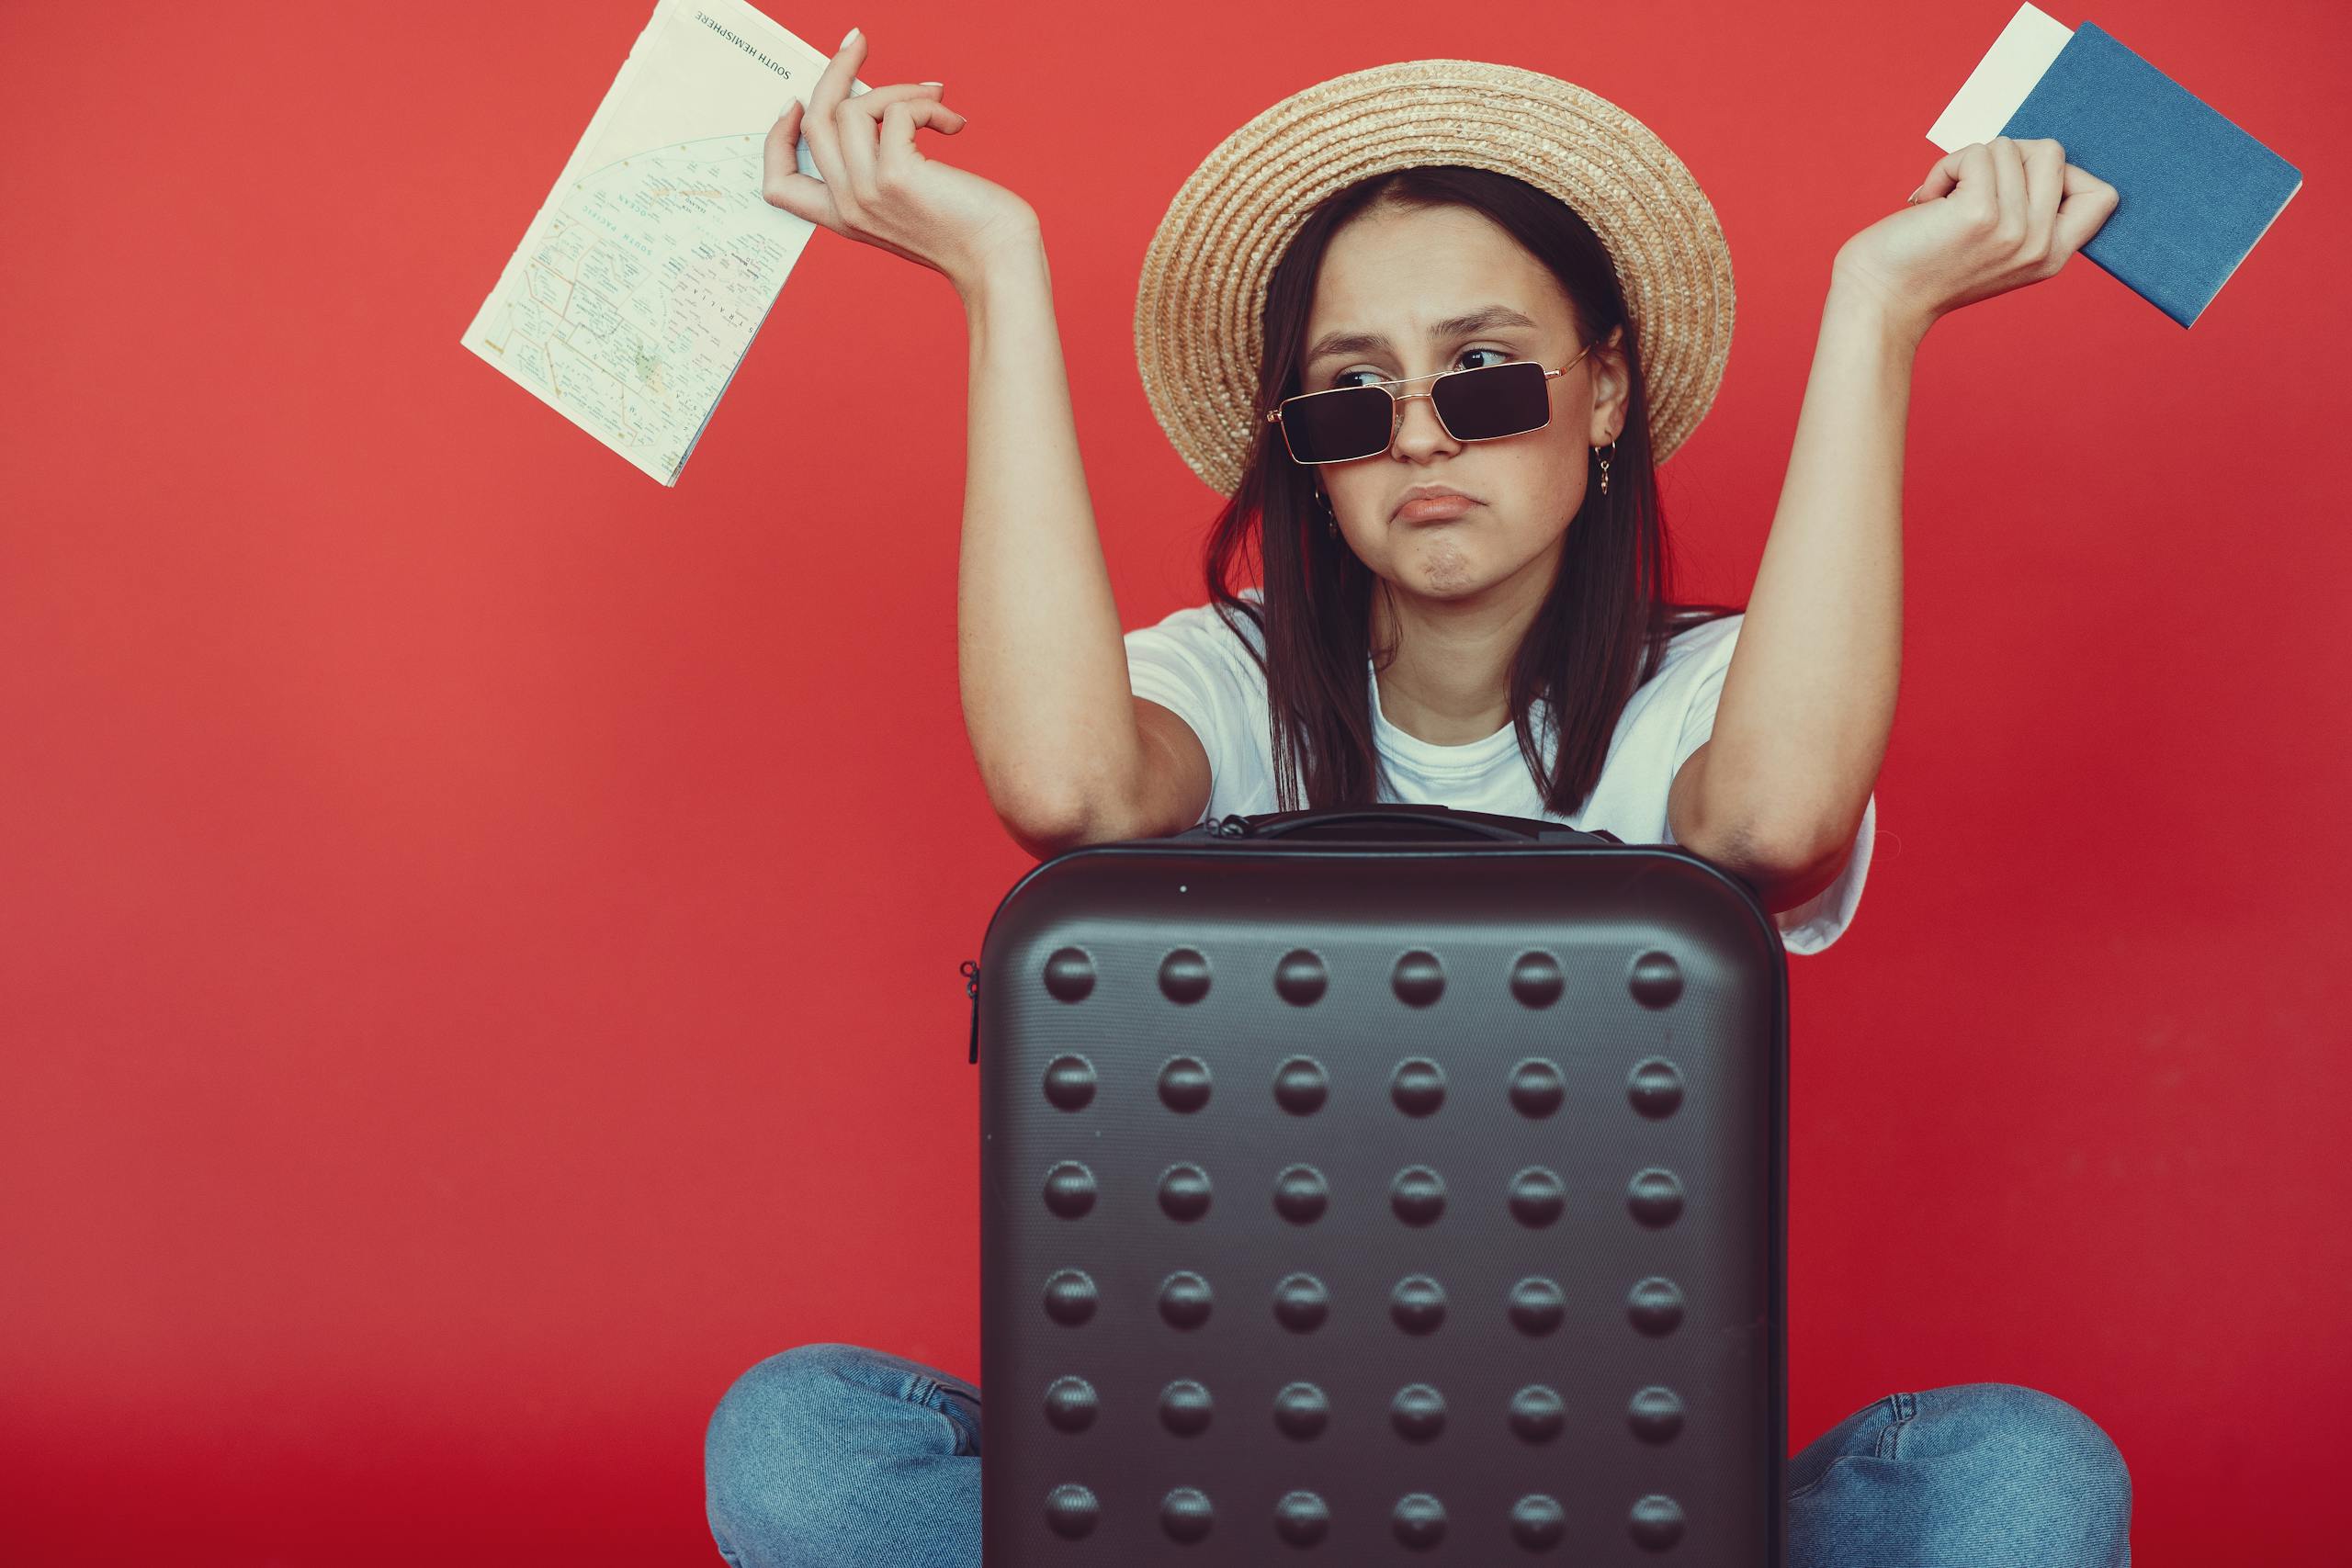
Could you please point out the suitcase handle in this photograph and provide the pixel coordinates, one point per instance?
(1314, 822)
(1412, 816)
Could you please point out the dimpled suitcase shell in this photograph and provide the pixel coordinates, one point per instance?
(1398, 1185)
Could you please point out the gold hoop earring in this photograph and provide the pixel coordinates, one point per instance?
(1330, 518)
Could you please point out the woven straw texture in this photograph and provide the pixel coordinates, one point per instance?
(1202, 296)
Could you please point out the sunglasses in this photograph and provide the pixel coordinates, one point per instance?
(1485, 404)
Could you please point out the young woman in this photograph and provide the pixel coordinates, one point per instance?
(1430, 327)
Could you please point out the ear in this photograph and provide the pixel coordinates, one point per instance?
(1613, 388)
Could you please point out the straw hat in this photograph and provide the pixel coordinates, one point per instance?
(1199, 307)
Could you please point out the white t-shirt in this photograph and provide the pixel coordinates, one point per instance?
(1194, 664)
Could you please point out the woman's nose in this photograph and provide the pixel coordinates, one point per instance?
(1430, 429)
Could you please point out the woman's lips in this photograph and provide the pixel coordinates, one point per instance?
(1429, 508)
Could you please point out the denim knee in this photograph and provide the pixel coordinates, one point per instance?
(2088, 1485)
(844, 1456)
(772, 1409)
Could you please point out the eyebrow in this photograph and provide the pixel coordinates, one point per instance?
(1482, 319)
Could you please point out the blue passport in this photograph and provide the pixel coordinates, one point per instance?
(2195, 191)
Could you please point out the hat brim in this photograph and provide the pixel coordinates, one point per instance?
(1200, 302)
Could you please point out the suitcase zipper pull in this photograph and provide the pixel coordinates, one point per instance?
(970, 970)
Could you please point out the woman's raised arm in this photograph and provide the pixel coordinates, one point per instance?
(1040, 658)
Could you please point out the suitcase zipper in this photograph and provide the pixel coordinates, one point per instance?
(970, 970)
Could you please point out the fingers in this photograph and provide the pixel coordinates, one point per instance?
(784, 184)
(1973, 176)
(846, 127)
(2086, 202)
(2049, 188)
(900, 117)
(843, 125)
(2046, 207)
(830, 92)
(1994, 171)
(2045, 165)
(2008, 191)
(855, 125)
(1944, 176)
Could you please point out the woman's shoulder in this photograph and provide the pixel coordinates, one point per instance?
(1697, 647)
(1209, 630)
(1696, 636)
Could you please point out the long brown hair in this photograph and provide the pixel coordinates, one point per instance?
(1600, 633)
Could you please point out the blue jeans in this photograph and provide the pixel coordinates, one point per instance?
(838, 1456)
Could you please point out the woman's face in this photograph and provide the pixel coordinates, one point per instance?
(1394, 274)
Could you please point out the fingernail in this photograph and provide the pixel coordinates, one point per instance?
(931, 83)
(1913, 199)
(846, 38)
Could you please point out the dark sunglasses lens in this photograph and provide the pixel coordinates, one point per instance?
(1494, 400)
(1331, 428)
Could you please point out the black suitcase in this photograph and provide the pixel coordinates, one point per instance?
(1387, 1185)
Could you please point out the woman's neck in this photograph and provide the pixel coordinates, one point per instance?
(1450, 683)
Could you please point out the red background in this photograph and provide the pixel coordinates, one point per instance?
(481, 928)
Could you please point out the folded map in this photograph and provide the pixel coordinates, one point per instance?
(642, 281)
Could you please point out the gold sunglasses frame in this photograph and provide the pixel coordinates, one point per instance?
(1397, 403)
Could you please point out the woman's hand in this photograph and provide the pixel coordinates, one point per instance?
(876, 189)
(1992, 217)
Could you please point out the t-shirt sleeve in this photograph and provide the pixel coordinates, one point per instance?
(1194, 664)
(1815, 923)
